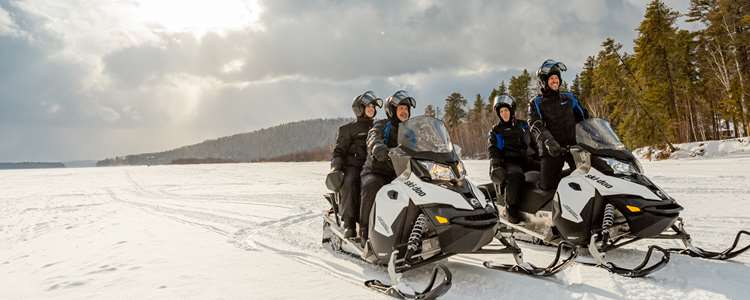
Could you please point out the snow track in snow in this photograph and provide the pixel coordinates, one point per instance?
(254, 230)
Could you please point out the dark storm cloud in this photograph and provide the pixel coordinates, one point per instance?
(308, 61)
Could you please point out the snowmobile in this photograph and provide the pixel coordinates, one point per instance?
(429, 212)
(603, 203)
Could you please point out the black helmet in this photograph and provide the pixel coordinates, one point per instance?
(549, 67)
(399, 98)
(362, 101)
(504, 100)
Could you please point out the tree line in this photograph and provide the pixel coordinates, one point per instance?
(676, 86)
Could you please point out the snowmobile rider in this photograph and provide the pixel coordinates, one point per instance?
(378, 170)
(508, 146)
(349, 157)
(553, 116)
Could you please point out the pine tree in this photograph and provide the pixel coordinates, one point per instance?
(454, 110)
(477, 110)
(655, 70)
(429, 111)
(520, 88)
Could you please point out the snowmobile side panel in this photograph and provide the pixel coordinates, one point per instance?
(573, 194)
(390, 201)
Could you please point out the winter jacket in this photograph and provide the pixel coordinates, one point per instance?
(508, 141)
(351, 144)
(558, 113)
(383, 132)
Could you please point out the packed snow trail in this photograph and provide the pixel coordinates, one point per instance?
(253, 231)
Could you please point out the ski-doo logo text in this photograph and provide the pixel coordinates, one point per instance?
(599, 181)
(415, 188)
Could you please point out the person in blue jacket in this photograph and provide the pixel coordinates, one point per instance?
(553, 116)
(509, 147)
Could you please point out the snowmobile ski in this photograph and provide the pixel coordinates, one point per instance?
(694, 251)
(400, 290)
(641, 270)
(527, 268)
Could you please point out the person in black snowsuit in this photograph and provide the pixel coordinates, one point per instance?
(553, 117)
(349, 157)
(509, 147)
(378, 170)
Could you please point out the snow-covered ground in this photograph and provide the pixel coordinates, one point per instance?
(252, 231)
(738, 147)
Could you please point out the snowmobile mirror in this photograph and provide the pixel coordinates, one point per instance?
(574, 186)
(393, 195)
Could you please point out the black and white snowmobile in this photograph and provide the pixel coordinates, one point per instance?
(429, 212)
(604, 203)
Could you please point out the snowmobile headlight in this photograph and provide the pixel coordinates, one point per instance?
(620, 167)
(438, 171)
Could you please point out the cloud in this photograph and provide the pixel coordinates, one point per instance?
(83, 80)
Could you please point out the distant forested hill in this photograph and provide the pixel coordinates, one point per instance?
(272, 143)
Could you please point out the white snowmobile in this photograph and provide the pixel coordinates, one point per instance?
(429, 212)
(604, 203)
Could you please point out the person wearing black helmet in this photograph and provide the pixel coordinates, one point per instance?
(378, 170)
(349, 156)
(508, 146)
(553, 117)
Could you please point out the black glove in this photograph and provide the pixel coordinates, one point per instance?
(547, 143)
(380, 151)
(552, 147)
(497, 174)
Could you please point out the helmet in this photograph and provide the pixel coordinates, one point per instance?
(504, 100)
(362, 101)
(400, 97)
(549, 67)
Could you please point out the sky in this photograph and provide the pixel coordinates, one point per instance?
(91, 79)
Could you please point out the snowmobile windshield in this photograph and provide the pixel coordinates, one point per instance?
(425, 134)
(597, 134)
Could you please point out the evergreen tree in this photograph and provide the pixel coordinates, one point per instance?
(477, 110)
(429, 111)
(654, 67)
(520, 88)
(454, 110)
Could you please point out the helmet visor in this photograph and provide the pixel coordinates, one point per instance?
(370, 98)
(402, 98)
(503, 100)
(550, 65)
